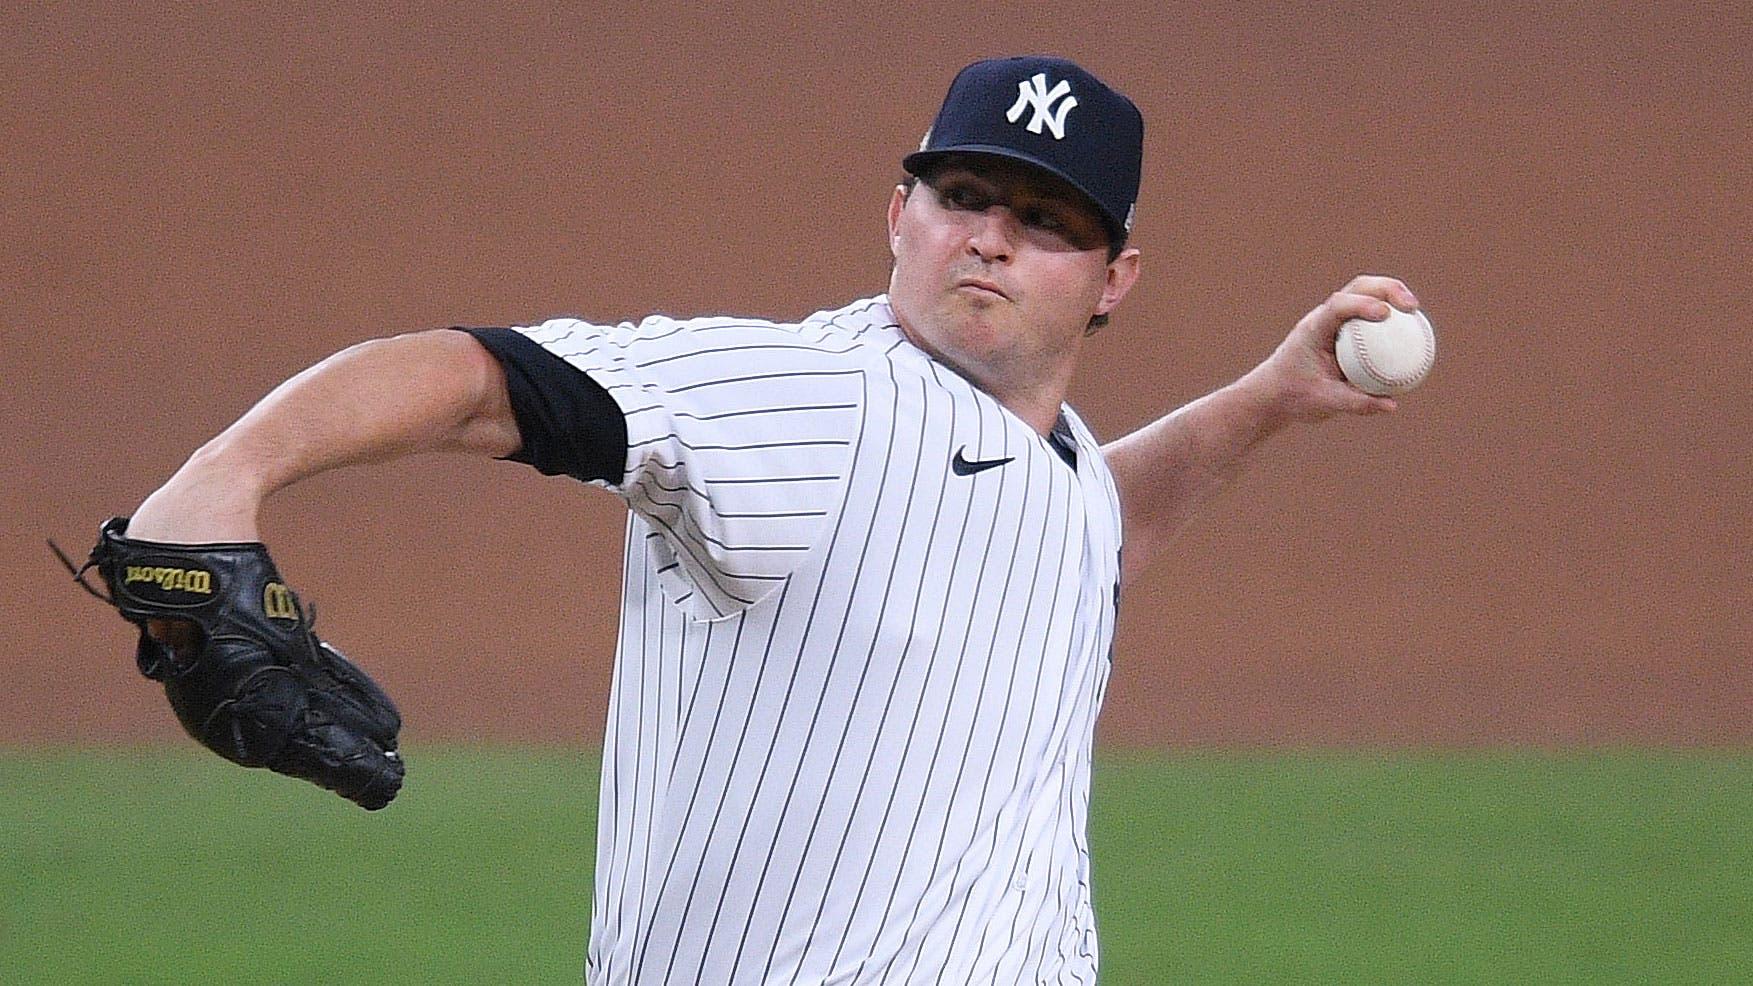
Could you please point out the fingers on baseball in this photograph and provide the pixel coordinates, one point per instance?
(1359, 401)
(1340, 307)
(1352, 304)
(1347, 399)
(1389, 289)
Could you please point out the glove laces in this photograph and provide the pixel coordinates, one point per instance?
(79, 573)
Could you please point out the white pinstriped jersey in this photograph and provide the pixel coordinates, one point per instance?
(855, 692)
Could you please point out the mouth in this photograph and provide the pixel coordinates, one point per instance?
(979, 285)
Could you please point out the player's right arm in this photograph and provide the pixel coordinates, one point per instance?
(1167, 469)
(423, 392)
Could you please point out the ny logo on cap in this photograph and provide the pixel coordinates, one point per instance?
(1032, 93)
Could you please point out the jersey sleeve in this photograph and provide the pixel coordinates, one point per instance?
(569, 425)
(738, 436)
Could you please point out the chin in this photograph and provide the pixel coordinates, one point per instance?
(976, 330)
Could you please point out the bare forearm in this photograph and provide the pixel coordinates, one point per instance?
(1168, 468)
(1165, 470)
(425, 392)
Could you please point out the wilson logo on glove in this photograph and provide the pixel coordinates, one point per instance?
(277, 602)
(168, 585)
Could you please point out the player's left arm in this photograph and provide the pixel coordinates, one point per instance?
(1167, 469)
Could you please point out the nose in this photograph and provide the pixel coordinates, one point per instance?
(990, 234)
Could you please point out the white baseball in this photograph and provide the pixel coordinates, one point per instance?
(1387, 357)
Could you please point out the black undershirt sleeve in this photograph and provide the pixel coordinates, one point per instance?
(569, 424)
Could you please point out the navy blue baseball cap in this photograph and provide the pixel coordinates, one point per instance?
(1049, 113)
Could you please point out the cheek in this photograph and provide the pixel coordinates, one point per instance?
(920, 259)
(905, 277)
(1077, 286)
(916, 246)
(929, 234)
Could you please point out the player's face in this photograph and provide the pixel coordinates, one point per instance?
(998, 270)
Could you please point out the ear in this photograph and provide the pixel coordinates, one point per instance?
(897, 202)
(1122, 274)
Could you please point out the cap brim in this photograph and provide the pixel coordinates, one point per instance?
(918, 162)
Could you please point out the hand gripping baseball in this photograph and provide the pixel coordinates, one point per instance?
(241, 667)
(1304, 372)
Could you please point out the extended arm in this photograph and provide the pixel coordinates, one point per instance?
(1166, 469)
(230, 642)
(423, 392)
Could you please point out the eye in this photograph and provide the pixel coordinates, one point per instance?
(1042, 218)
(965, 197)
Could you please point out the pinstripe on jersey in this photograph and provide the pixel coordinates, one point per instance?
(855, 692)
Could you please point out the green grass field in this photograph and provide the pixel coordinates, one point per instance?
(173, 867)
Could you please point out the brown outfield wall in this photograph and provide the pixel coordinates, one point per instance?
(1547, 545)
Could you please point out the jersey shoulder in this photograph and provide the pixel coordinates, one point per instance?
(740, 433)
(841, 336)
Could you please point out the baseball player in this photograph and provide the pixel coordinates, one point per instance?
(872, 562)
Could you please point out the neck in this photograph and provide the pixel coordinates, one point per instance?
(1031, 392)
(1036, 402)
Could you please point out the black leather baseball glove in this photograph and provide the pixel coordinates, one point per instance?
(243, 671)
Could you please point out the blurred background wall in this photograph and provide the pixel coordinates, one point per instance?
(1547, 545)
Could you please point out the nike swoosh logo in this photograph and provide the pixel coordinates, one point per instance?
(963, 467)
